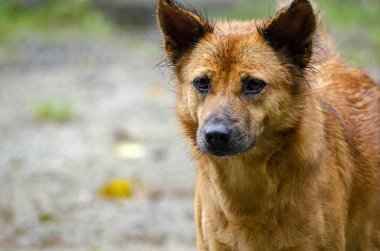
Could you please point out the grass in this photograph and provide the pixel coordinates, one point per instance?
(350, 12)
(48, 17)
(359, 20)
(364, 13)
(53, 110)
(354, 23)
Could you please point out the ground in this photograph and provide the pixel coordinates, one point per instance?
(51, 171)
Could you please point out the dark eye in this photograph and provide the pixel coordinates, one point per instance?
(252, 85)
(202, 84)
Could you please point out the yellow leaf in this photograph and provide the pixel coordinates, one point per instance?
(117, 189)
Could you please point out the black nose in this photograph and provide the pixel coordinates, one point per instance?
(217, 136)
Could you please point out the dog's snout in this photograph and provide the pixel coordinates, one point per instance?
(223, 138)
(217, 135)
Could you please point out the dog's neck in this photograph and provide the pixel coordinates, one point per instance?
(249, 183)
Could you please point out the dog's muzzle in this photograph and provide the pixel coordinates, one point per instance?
(220, 139)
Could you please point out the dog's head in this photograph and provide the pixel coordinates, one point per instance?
(238, 82)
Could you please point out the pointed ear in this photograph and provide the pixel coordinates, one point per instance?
(181, 28)
(290, 32)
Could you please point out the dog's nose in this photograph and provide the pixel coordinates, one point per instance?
(217, 135)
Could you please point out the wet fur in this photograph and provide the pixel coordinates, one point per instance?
(312, 179)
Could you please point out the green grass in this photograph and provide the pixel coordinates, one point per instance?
(350, 12)
(60, 18)
(357, 24)
(53, 110)
(338, 12)
(359, 20)
(46, 218)
(49, 17)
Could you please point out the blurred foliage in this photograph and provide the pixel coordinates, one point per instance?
(20, 17)
(364, 13)
(351, 12)
(53, 110)
(354, 23)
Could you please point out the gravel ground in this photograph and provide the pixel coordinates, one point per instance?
(55, 169)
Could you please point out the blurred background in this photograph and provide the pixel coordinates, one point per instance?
(91, 155)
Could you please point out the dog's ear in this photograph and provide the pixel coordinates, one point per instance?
(182, 28)
(290, 32)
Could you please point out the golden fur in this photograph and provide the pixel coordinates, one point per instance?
(310, 179)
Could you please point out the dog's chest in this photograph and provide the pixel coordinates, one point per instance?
(261, 232)
(223, 234)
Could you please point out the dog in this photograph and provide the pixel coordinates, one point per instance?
(285, 135)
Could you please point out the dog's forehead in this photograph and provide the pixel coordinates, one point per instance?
(225, 28)
(232, 44)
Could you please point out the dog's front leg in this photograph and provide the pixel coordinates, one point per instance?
(217, 246)
(211, 245)
(198, 224)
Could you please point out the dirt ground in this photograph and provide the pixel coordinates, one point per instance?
(51, 171)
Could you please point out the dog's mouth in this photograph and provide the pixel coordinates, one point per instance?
(227, 152)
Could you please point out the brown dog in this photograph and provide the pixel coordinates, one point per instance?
(288, 150)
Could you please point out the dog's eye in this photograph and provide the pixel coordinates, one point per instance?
(252, 85)
(202, 84)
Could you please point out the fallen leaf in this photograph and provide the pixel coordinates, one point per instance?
(45, 218)
(156, 92)
(118, 188)
(129, 150)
